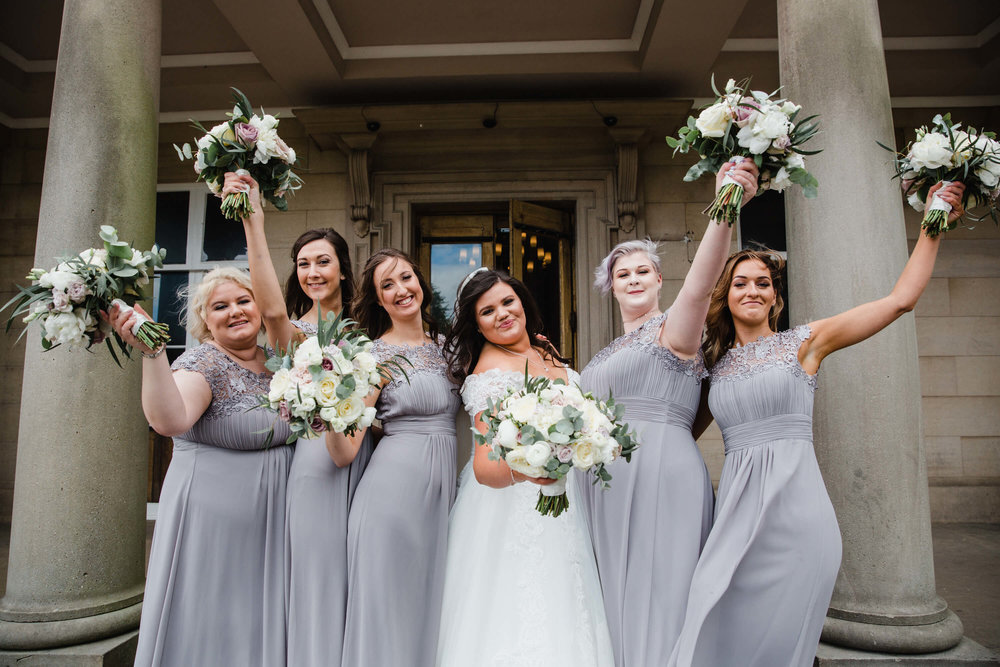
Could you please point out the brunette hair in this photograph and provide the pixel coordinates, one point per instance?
(366, 310)
(719, 330)
(296, 301)
(197, 297)
(465, 342)
(604, 274)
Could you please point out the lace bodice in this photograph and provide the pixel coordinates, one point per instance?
(645, 339)
(494, 383)
(308, 328)
(426, 358)
(778, 351)
(234, 388)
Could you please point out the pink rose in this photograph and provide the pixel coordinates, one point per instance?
(59, 300)
(284, 412)
(284, 151)
(565, 454)
(77, 290)
(317, 424)
(744, 111)
(781, 143)
(247, 134)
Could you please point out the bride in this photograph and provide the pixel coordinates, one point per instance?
(520, 588)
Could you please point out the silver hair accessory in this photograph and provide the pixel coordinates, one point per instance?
(465, 281)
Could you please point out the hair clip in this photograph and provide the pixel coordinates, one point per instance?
(466, 280)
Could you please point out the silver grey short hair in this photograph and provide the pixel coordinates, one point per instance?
(604, 273)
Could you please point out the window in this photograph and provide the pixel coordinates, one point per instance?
(198, 238)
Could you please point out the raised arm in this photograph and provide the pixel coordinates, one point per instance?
(172, 401)
(855, 325)
(263, 277)
(682, 332)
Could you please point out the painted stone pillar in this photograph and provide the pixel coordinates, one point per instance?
(77, 543)
(847, 247)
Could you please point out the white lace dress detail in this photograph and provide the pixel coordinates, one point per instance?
(778, 351)
(534, 574)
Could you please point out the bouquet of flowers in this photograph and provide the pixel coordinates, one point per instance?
(321, 383)
(247, 144)
(548, 427)
(947, 153)
(67, 299)
(744, 123)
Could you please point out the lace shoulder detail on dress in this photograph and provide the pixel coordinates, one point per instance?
(234, 388)
(646, 339)
(494, 383)
(426, 358)
(308, 328)
(778, 351)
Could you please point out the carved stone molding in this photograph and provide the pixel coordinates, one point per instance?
(627, 176)
(361, 207)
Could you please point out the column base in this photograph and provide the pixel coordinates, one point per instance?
(937, 636)
(113, 652)
(68, 633)
(967, 654)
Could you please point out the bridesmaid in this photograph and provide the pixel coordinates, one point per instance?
(214, 586)
(398, 529)
(319, 493)
(649, 527)
(762, 587)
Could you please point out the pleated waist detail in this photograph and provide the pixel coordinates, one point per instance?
(183, 445)
(443, 424)
(768, 429)
(656, 410)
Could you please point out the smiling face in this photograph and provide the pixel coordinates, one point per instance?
(231, 316)
(318, 270)
(500, 315)
(635, 282)
(398, 289)
(751, 292)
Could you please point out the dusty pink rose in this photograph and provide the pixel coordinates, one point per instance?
(59, 299)
(317, 424)
(285, 152)
(247, 134)
(565, 454)
(284, 412)
(76, 291)
(744, 111)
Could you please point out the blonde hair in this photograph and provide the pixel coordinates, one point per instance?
(719, 330)
(197, 297)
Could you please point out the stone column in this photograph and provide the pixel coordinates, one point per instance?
(845, 248)
(75, 573)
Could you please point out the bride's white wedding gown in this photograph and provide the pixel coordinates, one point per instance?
(521, 589)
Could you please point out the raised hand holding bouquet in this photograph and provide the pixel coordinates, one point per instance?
(246, 143)
(321, 383)
(549, 427)
(947, 153)
(744, 123)
(68, 299)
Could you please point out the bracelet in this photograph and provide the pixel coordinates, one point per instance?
(157, 352)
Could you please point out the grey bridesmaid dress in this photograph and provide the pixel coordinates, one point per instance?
(648, 529)
(316, 510)
(764, 581)
(397, 535)
(214, 585)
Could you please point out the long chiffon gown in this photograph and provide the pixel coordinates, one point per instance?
(316, 510)
(648, 529)
(214, 586)
(764, 581)
(521, 588)
(397, 532)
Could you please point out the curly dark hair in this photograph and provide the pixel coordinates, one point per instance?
(719, 330)
(296, 301)
(365, 308)
(464, 342)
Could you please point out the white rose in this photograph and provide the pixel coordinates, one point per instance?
(772, 124)
(507, 434)
(350, 409)
(713, 121)
(67, 328)
(374, 379)
(788, 108)
(308, 353)
(367, 417)
(989, 171)
(98, 257)
(304, 408)
(915, 202)
(364, 362)
(931, 152)
(328, 414)
(538, 454)
(522, 408)
(59, 280)
(516, 460)
(281, 381)
(222, 131)
(584, 455)
(337, 424)
(795, 161)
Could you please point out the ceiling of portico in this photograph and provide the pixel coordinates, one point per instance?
(298, 53)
